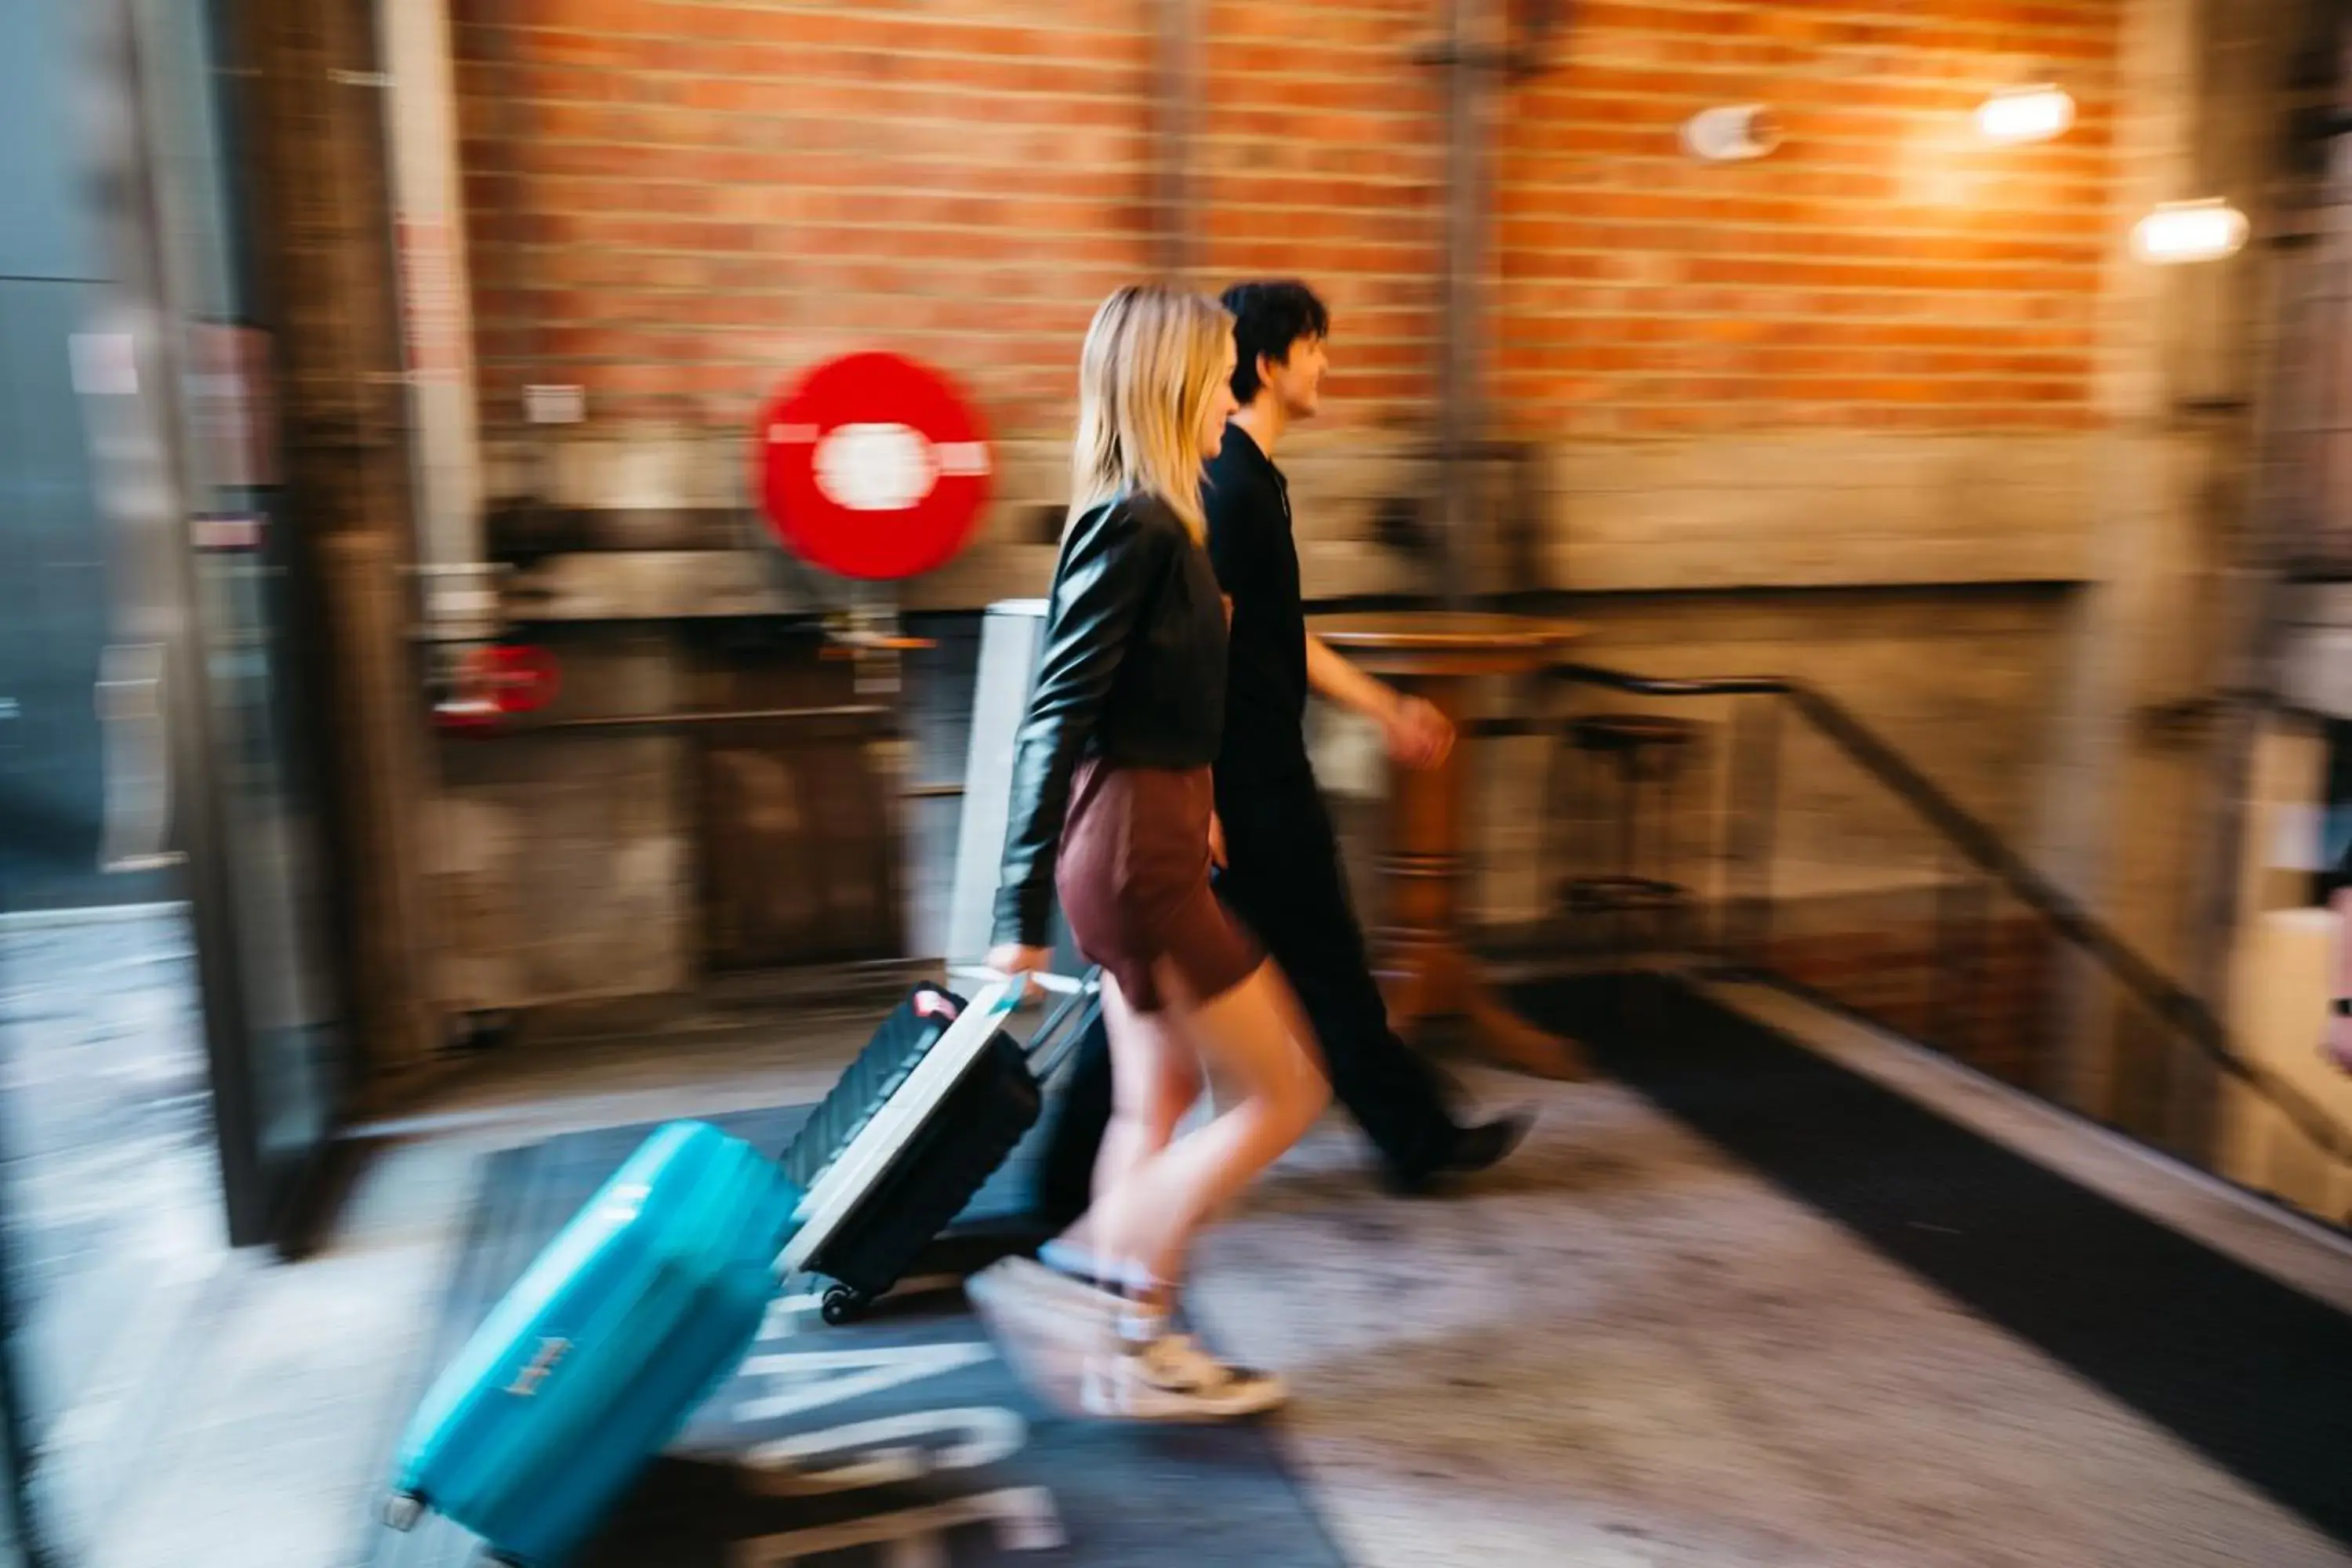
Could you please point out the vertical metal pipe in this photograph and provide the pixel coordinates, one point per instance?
(1175, 104)
(1472, 56)
(436, 306)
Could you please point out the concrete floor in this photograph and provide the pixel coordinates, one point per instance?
(111, 1185)
(1624, 1351)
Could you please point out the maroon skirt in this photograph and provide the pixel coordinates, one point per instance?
(1133, 876)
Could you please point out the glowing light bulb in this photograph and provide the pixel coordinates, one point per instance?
(1732, 133)
(2026, 114)
(2180, 232)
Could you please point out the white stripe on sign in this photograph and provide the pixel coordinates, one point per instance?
(961, 459)
(808, 1380)
(881, 1453)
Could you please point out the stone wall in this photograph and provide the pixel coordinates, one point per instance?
(563, 862)
(579, 858)
(563, 871)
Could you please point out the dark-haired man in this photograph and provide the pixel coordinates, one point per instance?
(1281, 871)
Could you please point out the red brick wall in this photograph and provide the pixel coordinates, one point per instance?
(1328, 161)
(675, 203)
(1885, 269)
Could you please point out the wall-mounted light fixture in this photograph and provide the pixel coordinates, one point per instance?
(1731, 132)
(2179, 232)
(2021, 114)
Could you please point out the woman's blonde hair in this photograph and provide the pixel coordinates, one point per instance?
(1153, 358)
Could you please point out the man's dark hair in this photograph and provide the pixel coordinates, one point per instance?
(1268, 318)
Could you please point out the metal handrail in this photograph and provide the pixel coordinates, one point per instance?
(2207, 704)
(872, 715)
(1985, 849)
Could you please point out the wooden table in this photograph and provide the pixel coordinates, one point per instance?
(1428, 972)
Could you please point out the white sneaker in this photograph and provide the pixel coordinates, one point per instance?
(1171, 1378)
(1048, 1326)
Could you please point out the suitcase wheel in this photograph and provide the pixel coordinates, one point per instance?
(405, 1512)
(843, 1305)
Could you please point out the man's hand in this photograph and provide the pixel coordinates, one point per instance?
(1418, 735)
(1216, 841)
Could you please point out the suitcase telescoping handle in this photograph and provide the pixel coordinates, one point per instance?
(1052, 985)
(827, 1206)
(1055, 1043)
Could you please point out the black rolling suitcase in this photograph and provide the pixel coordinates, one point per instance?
(898, 1148)
(1060, 1173)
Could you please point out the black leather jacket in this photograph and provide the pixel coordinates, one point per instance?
(1133, 672)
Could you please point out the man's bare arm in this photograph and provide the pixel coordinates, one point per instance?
(1333, 678)
(1417, 734)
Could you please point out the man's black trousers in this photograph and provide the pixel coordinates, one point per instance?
(1285, 882)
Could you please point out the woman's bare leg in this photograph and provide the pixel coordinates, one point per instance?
(1249, 1035)
(1110, 1351)
(1155, 1079)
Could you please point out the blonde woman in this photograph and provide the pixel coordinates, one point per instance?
(1112, 809)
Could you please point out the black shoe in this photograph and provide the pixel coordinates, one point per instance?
(1475, 1149)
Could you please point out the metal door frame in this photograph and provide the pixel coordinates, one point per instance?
(265, 1204)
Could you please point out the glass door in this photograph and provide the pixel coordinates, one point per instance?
(170, 1037)
(111, 1201)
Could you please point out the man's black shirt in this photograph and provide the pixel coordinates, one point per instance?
(1256, 561)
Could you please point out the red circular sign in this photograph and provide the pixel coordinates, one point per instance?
(497, 682)
(873, 467)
